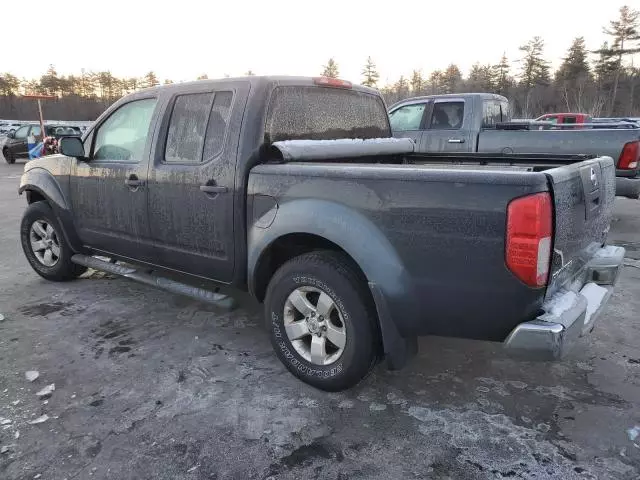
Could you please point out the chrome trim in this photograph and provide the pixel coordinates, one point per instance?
(551, 335)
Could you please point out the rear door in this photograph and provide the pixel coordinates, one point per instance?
(447, 129)
(191, 181)
(583, 195)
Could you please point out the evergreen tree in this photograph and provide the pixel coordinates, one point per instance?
(574, 75)
(168, 81)
(435, 80)
(604, 67)
(501, 76)
(575, 65)
(625, 36)
(9, 84)
(417, 82)
(370, 73)
(535, 69)
(402, 87)
(49, 82)
(249, 73)
(330, 69)
(481, 78)
(451, 79)
(150, 80)
(204, 76)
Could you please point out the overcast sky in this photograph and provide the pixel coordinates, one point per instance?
(131, 37)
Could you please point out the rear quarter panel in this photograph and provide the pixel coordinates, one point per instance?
(433, 240)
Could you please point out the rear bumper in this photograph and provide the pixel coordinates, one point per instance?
(628, 187)
(568, 314)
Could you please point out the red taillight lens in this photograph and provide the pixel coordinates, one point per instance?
(629, 156)
(529, 235)
(332, 82)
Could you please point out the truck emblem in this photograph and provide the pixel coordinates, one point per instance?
(594, 178)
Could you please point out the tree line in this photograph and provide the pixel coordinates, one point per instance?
(601, 82)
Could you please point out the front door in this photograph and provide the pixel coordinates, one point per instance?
(108, 190)
(191, 183)
(446, 130)
(18, 144)
(407, 121)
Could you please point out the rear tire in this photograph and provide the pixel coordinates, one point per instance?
(337, 346)
(8, 156)
(44, 244)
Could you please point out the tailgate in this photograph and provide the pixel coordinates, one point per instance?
(583, 195)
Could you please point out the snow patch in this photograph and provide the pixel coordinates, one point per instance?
(608, 251)
(31, 375)
(561, 302)
(594, 295)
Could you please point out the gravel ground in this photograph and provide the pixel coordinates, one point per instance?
(151, 385)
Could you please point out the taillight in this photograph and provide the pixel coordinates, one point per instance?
(332, 82)
(629, 156)
(529, 235)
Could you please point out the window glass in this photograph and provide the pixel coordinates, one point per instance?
(406, 118)
(22, 132)
(491, 113)
(505, 111)
(122, 137)
(317, 113)
(217, 126)
(553, 120)
(36, 131)
(447, 115)
(569, 120)
(187, 127)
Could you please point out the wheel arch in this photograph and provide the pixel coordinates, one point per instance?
(305, 225)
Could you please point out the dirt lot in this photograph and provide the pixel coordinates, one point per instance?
(151, 385)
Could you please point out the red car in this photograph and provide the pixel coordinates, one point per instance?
(565, 118)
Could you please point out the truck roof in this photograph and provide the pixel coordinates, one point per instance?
(483, 96)
(256, 80)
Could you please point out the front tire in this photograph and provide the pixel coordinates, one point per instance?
(322, 321)
(8, 156)
(44, 244)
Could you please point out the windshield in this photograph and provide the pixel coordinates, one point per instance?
(317, 113)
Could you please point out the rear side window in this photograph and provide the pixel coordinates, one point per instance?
(197, 127)
(447, 115)
(407, 118)
(187, 128)
(569, 120)
(318, 113)
(491, 114)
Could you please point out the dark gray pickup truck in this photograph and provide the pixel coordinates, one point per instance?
(291, 188)
(479, 122)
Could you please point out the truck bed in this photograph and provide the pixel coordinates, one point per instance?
(445, 216)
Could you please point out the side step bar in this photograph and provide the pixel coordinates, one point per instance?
(218, 299)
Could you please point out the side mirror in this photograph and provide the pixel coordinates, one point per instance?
(71, 147)
(11, 134)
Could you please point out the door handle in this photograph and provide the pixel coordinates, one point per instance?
(456, 140)
(213, 189)
(133, 182)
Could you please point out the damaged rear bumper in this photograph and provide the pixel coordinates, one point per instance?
(569, 314)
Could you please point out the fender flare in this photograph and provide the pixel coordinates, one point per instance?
(41, 181)
(389, 281)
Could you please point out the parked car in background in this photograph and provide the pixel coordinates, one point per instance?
(565, 118)
(480, 122)
(16, 143)
(9, 127)
(291, 188)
